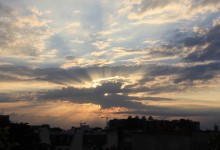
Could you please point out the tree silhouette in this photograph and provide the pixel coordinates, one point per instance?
(20, 136)
(215, 141)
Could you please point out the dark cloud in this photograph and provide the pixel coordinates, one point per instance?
(5, 97)
(194, 48)
(200, 52)
(107, 95)
(202, 72)
(156, 99)
(81, 75)
(7, 78)
(66, 76)
(17, 96)
(172, 49)
(209, 52)
(16, 73)
(62, 76)
(172, 112)
(193, 41)
(162, 70)
(95, 96)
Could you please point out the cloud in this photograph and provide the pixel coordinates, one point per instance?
(17, 73)
(149, 6)
(203, 7)
(95, 96)
(216, 22)
(28, 111)
(22, 35)
(157, 12)
(199, 55)
(5, 97)
(193, 41)
(36, 11)
(5, 10)
(86, 62)
(7, 76)
(122, 53)
(78, 41)
(136, 78)
(202, 72)
(74, 24)
(151, 42)
(74, 27)
(115, 56)
(107, 95)
(101, 44)
(168, 11)
(104, 89)
(202, 31)
(208, 46)
(5, 63)
(136, 89)
(172, 112)
(99, 53)
(30, 21)
(9, 97)
(203, 45)
(109, 54)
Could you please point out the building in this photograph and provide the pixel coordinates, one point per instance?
(151, 125)
(4, 120)
(152, 134)
(82, 138)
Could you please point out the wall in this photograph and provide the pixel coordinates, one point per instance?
(169, 142)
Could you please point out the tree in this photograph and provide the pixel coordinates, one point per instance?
(20, 136)
(215, 141)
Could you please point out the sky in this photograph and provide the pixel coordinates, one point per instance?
(71, 61)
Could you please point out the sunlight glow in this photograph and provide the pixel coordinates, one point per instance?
(99, 81)
(106, 94)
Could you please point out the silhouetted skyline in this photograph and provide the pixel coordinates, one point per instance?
(138, 133)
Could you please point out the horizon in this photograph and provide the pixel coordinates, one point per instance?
(108, 122)
(62, 63)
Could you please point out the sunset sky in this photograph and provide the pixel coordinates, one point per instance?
(63, 62)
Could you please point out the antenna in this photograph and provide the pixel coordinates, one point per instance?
(82, 123)
(106, 120)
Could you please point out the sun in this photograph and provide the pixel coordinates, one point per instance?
(106, 94)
